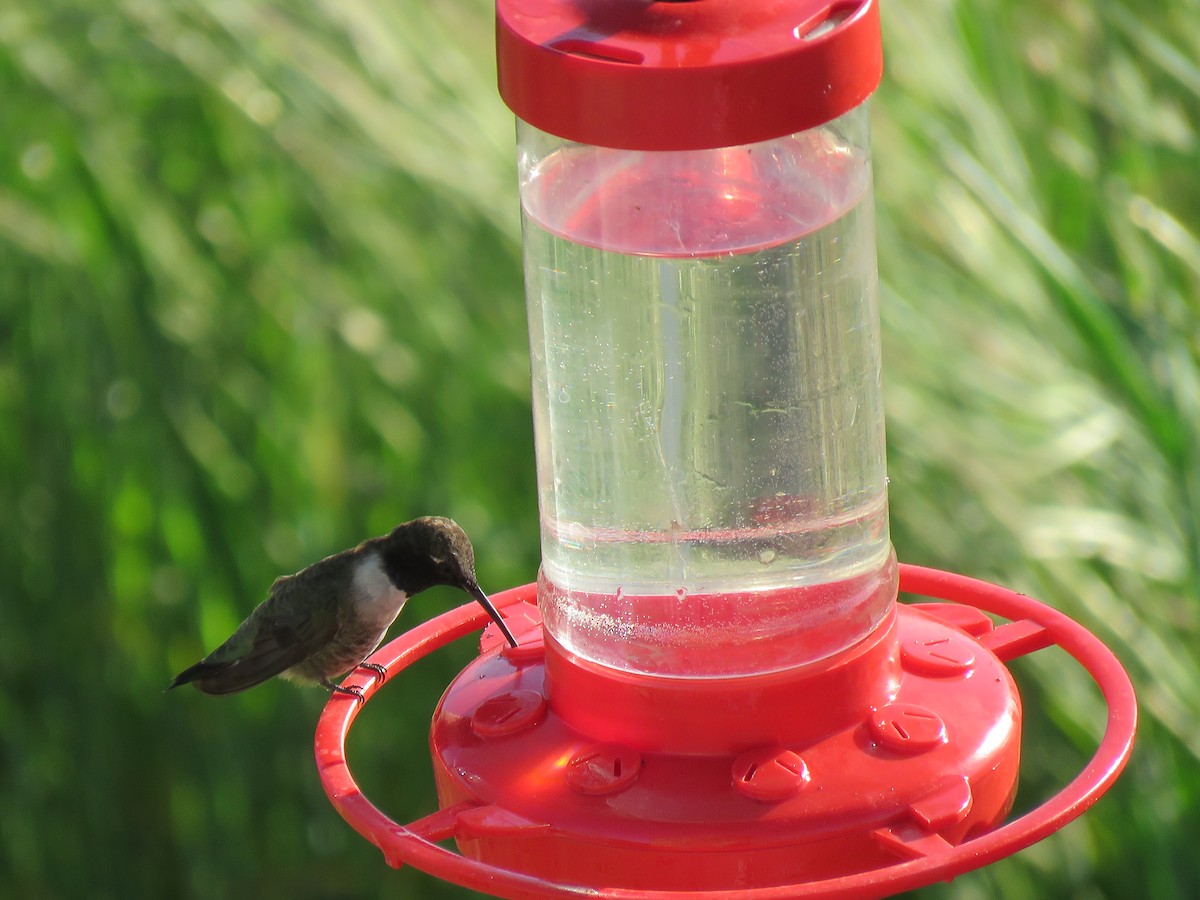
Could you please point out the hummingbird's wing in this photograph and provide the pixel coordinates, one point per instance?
(298, 618)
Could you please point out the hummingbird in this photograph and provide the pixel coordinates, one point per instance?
(326, 619)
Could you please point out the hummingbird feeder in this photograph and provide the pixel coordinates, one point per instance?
(717, 692)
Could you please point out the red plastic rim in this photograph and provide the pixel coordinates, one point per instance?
(1033, 626)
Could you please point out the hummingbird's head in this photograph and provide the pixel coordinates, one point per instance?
(430, 551)
(451, 556)
(434, 550)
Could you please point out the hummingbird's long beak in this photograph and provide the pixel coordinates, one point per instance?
(477, 592)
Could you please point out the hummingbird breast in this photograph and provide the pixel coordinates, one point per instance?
(349, 647)
(366, 611)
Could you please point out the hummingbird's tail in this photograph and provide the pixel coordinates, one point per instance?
(185, 677)
(218, 678)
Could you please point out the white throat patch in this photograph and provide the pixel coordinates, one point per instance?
(375, 596)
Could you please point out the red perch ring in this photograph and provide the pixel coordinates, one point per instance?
(1032, 626)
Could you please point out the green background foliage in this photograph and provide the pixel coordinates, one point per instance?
(260, 297)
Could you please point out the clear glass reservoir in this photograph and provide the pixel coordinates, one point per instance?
(704, 338)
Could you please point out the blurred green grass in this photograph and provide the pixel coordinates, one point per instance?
(260, 297)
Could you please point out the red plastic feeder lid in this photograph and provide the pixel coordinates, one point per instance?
(685, 74)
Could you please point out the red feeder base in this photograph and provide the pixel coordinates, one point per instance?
(933, 757)
(885, 768)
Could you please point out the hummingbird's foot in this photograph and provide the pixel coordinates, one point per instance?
(374, 667)
(354, 691)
